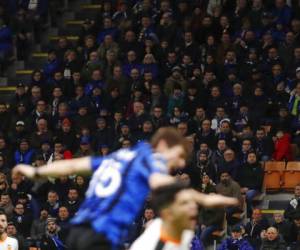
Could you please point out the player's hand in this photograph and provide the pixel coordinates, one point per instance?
(220, 200)
(214, 200)
(26, 170)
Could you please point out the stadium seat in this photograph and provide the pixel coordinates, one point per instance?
(291, 176)
(273, 175)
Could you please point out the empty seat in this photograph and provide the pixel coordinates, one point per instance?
(291, 176)
(273, 175)
(293, 166)
(274, 166)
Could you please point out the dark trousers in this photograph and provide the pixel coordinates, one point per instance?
(83, 237)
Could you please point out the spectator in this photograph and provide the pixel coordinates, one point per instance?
(38, 225)
(23, 30)
(250, 178)
(294, 204)
(72, 202)
(295, 230)
(236, 241)
(81, 185)
(230, 165)
(5, 117)
(255, 227)
(51, 66)
(12, 232)
(272, 240)
(52, 204)
(148, 216)
(245, 150)
(282, 149)
(263, 145)
(53, 237)
(218, 154)
(18, 185)
(63, 218)
(4, 186)
(22, 220)
(42, 134)
(24, 154)
(85, 147)
(6, 43)
(210, 219)
(228, 187)
(202, 167)
(6, 205)
(283, 227)
(4, 168)
(174, 79)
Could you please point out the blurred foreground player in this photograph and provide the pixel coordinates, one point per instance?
(119, 187)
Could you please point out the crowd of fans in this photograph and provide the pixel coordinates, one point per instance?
(225, 73)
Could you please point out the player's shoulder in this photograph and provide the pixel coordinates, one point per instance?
(139, 149)
(149, 238)
(11, 241)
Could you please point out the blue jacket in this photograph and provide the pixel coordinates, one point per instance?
(283, 15)
(5, 39)
(231, 244)
(196, 244)
(25, 158)
(50, 68)
(101, 35)
(153, 68)
(91, 85)
(127, 67)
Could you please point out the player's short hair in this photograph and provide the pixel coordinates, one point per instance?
(171, 136)
(164, 196)
(2, 212)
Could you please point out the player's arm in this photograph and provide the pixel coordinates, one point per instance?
(157, 180)
(56, 168)
(213, 200)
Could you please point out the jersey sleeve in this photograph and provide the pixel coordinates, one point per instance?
(158, 164)
(96, 162)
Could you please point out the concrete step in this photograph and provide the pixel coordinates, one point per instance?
(70, 30)
(19, 65)
(68, 15)
(36, 47)
(52, 32)
(3, 81)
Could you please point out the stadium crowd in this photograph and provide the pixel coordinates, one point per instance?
(225, 73)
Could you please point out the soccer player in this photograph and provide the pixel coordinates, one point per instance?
(119, 187)
(6, 241)
(178, 212)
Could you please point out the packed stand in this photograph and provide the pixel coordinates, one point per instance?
(21, 26)
(227, 76)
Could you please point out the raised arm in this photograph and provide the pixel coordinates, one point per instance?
(56, 168)
(213, 200)
(157, 180)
